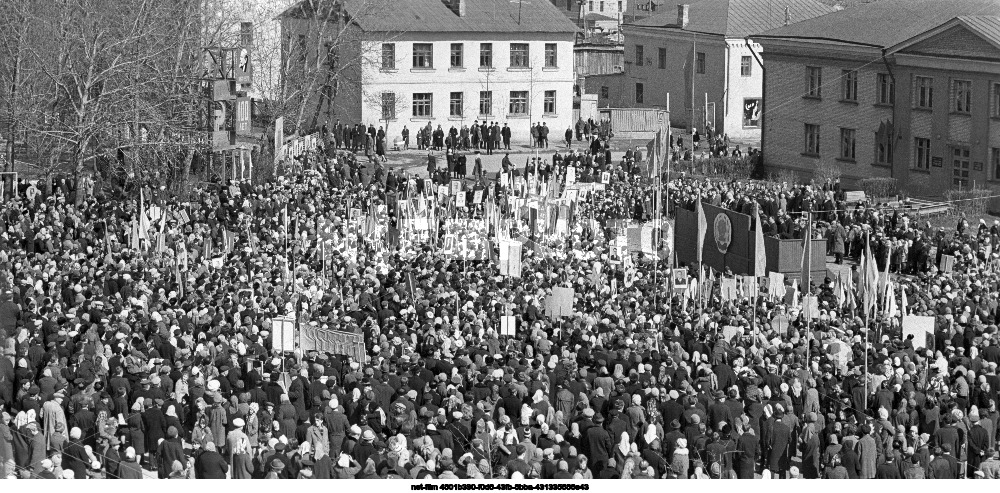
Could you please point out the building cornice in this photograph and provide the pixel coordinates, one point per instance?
(947, 64)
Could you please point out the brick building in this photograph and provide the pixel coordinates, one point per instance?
(908, 89)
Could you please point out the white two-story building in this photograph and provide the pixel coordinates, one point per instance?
(451, 63)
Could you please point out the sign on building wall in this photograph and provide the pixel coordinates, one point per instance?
(751, 112)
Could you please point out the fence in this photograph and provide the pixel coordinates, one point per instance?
(635, 123)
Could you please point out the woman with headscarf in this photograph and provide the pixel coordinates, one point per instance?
(681, 460)
(136, 430)
(582, 469)
(202, 434)
(621, 451)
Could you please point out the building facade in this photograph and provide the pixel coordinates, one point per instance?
(921, 106)
(696, 55)
(449, 63)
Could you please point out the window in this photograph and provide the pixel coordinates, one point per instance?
(457, 55)
(886, 89)
(486, 103)
(995, 161)
(388, 56)
(661, 58)
(551, 55)
(602, 6)
(605, 92)
(814, 82)
(849, 85)
(486, 55)
(921, 153)
(423, 55)
(519, 55)
(619, 6)
(388, 106)
(701, 63)
(961, 91)
(960, 166)
(745, 66)
(811, 140)
(995, 107)
(549, 103)
(884, 143)
(423, 104)
(302, 48)
(638, 55)
(847, 143)
(923, 92)
(518, 103)
(456, 104)
(639, 90)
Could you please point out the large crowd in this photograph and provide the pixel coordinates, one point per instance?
(135, 347)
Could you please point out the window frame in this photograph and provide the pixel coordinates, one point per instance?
(520, 55)
(814, 82)
(995, 163)
(460, 53)
(420, 102)
(885, 93)
(812, 133)
(549, 102)
(426, 54)
(486, 50)
(640, 55)
(551, 55)
(486, 97)
(960, 174)
(921, 154)
(701, 62)
(461, 104)
(848, 144)
(388, 103)
(389, 57)
(957, 106)
(518, 100)
(923, 92)
(746, 66)
(849, 86)
(661, 58)
(640, 93)
(995, 99)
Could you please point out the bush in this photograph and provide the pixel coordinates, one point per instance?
(879, 188)
(973, 202)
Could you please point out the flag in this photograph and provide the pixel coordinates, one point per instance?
(852, 303)
(760, 256)
(806, 254)
(869, 280)
(890, 300)
(702, 229)
(838, 290)
(161, 239)
(883, 279)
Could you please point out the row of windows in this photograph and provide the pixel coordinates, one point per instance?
(590, 6)
(960, 96)
(423, 104)
(661, 60)
(884, 148)
(423, 55)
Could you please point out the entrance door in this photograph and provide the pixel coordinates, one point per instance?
(960, 167)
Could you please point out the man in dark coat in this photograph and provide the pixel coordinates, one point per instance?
(600, 445)
(748, 448)
(780, 437)
(210, 464)
(168, 451)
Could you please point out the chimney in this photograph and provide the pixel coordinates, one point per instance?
(456, 6)
(788, 16)
(682, 15)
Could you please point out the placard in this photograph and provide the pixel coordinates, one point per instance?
(810, 307)
(283, 338)
(947, 264)
(456, 187)
(776, 285)
(333, 342)
(728, 331)
(727, 287)
(606, 177)
(477, 197)
(918, 327)
(570, 175)
(508, 326)
(560, 303)
(680, 279)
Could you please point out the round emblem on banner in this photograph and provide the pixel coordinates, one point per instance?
(723, 232)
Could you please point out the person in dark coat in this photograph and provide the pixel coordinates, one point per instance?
(74, 456)
(210, 464)
(748, 448)
(599, 445)
(780, 438)
(169, 450)
(130, 468)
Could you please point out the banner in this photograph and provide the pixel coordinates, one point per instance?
(508, 326)
(560, 303)
(333, 342)
(510, 258)
(947, 264)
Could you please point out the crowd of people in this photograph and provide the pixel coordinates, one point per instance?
(139, 340)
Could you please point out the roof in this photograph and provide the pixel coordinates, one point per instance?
(869, 24)
(600, 18)
(497, 16)
(736, 18)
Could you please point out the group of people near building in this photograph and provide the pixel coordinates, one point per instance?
(142, 334)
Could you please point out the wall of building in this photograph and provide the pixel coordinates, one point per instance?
(787, 111)
(743, 93)
(470, 80)
(675, 76)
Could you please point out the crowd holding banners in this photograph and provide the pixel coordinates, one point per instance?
(144, 343)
